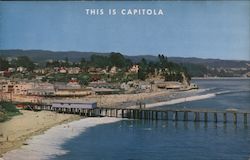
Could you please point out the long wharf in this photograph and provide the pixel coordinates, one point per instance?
(201, 115)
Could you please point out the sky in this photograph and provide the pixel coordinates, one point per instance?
(204, 29)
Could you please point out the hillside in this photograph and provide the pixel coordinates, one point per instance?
(196, 66)
(43, 55)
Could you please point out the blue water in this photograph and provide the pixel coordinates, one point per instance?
(160, 140)
(229, 94)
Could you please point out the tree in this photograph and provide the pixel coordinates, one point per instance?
(143, 67)
(99, 61)
(117, 59)
(4, 64)
(83, 61)
(84, 79)
(24, 61)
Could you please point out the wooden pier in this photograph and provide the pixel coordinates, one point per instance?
(156, 114)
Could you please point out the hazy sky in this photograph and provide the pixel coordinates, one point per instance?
(188, 29)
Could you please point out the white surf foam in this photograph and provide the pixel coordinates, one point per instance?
(49, 144)
(193, 98)
(181, 100)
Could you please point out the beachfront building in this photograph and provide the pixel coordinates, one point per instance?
(73, 92)
(22, 88)
(76, 105)
(8, 86)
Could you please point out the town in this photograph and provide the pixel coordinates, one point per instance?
(24, 81)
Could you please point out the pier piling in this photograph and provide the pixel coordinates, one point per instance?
(175, 116)
(235, 117)
(245, 118)
(225, 117)
(215, 117)
(185, 116)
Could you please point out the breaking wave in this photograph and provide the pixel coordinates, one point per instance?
(194, 98)
(181, 100)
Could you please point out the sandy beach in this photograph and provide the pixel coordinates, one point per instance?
(14, 132)
(48, 145)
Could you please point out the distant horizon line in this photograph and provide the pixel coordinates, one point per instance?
(136, 54)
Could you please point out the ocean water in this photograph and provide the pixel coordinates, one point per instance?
(160, 140)
(229, 93)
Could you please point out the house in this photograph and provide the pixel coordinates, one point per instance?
(39, 71)
(11, 70)
(1, 73)
(134, 69)
(21, 69)
(6, 73)
(113, 70)
(62, 70)
(74, 70)
(73, 83)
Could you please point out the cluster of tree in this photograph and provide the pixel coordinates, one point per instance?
(4, 64)
(22, 61)
(98, 61)
(7, 110)
(171, 71)
(195, 70)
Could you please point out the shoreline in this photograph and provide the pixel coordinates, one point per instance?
(19, 141)
(219, 78)
(52, 140)
(20, 128)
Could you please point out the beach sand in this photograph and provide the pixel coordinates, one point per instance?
(14, 132)
(48, 145)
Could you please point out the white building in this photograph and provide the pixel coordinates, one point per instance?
(134, 69)
(74, 70)
(113, 70)
(75, 105)
(21, 69)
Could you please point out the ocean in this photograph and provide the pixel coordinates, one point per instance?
(150, 139)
